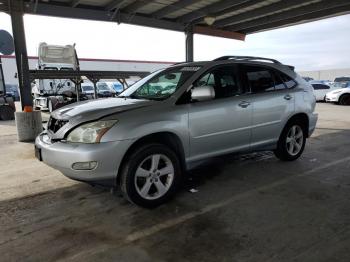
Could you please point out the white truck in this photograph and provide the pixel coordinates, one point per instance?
(49, 94)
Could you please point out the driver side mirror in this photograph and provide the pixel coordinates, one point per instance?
(203, 93)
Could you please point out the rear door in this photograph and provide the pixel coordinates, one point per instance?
(223, 124)
(272, 102)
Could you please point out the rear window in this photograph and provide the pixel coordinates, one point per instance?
(264, 79)
(288, 81)
(260, 79)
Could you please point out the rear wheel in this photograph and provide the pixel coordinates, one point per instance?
(150, 175)
(344, 100)
(291, 143)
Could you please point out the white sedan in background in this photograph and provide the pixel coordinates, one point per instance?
(321, 89)
(340, 96)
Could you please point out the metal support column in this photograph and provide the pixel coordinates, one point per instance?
(189, 44)
(16, 11)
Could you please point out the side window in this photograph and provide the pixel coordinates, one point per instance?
(206, 80)
(223, 79)
(320, 86)
(289, 82)
(279, 83)
(260, 79)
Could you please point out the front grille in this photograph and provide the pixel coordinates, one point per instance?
(55, 124)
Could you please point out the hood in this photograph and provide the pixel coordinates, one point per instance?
(340, 90)
(72, 115)
(94, 109)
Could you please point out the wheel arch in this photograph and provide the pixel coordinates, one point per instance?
(167, 138)
(299, 117)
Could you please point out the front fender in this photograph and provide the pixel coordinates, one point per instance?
(141, 123)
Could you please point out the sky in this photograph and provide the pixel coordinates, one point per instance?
(317, 45)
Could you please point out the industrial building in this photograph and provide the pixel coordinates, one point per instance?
(10, 69)
(327, 74)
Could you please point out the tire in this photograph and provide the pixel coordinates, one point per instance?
(344, 100)
(141, 182)
(11, 103)
(6, 113)
(291, 147)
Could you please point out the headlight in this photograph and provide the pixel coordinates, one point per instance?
(91, 132)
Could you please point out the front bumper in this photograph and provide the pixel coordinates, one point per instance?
(332, 98)
(62, 156)
(312, 123)
(40, 102)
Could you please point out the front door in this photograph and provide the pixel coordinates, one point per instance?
(221, 125)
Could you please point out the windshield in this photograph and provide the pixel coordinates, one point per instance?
(160, 84)
(87, 88)
(342, 79)
(340, 84)
(103, 87)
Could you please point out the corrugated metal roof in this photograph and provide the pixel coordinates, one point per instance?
(243, 16)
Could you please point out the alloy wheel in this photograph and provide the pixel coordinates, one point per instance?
(295, 140)
(154, 176)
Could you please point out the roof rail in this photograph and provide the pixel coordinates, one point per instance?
(248, 58)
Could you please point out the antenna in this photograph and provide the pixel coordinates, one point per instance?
(6, 43)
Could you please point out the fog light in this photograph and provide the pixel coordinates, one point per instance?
(84, 165)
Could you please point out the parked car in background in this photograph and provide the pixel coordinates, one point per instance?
(88, 89)
(326, 82)
(144, 140)
(338, 85)
(307, 79)
(119, 87)
(341, 95)
(103, 90)
(13, 91)
(342, 79)
(321, 89)
(116, 86)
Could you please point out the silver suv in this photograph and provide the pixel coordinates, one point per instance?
(145, 139)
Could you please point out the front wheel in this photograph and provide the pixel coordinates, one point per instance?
(344, 100)
(291, 143)
(150, 175)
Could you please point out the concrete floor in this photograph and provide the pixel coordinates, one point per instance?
(248, 208)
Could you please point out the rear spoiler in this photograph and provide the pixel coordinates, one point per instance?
(291, 67)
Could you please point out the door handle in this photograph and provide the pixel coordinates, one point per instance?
(287, 97)
(244, 104)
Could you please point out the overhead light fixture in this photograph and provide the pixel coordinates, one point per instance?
(209, 20)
